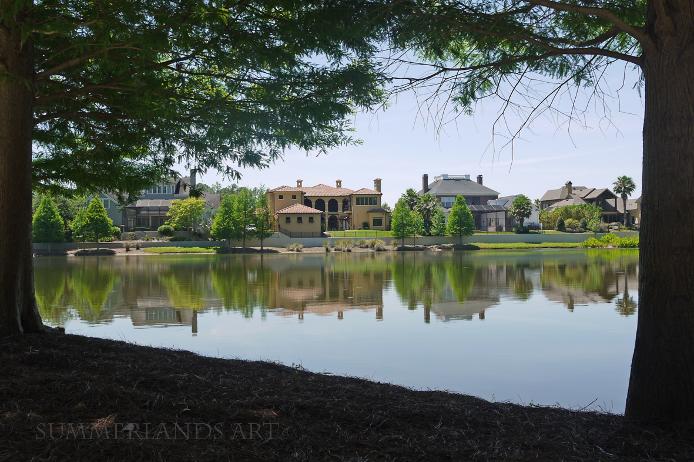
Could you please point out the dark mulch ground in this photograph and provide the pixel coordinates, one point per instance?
(265, 411)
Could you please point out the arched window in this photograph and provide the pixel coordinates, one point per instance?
(332, 205)
(345, 205)
(320, 205)
(307, 202)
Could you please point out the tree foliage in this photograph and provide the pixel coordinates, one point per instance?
(438, 223)
(263, 219)
(402, 221)
(624, 186)
(92, 223)
(223, 225)
(426, 206)
(460, 220)
(521, 208)
(125, 90)
(589, 212)
(186, 214)
(47, 224)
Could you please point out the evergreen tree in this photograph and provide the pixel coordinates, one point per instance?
(460, 220)
(47, 224)
(92, 223)
(438, 223)
(223, 226)
(263, 219)
(401, 220)
(624, 186)
(243, 211)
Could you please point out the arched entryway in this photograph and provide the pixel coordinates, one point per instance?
(307, 202)
(320, 205)
(332, 223)
(345, 205)
(332, 205)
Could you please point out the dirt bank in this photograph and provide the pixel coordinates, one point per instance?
(118, 401)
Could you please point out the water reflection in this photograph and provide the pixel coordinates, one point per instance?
(166, 290)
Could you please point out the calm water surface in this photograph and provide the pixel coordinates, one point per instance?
(548, 327)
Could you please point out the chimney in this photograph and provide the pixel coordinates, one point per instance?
(377, 184)
(338, 183)
(299, 183)
(569, 187)
(479, 179)
(193, 179)
(425, 183)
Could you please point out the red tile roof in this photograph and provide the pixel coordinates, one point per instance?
(299, 208)
(286, 188)
(325, 190)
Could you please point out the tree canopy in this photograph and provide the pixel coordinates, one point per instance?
(92, 223)
(460, 221)
(125, 90)
(521, 208)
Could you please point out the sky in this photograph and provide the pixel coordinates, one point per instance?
(399, 145)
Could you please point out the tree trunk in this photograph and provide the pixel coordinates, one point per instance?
(624, 203)
(661, 387)
(18, 312)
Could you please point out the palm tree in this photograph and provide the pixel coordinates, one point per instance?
(624, 186)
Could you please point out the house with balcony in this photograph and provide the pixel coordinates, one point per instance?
(488, 215)
(303, 211)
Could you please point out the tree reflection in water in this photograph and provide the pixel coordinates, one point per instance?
(161, 290)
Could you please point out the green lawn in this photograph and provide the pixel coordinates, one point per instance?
(361, 233)
(160, 250)
(528, 245)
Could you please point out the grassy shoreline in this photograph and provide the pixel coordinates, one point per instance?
(304, 416)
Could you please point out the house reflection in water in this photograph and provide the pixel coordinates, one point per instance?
(160, 291)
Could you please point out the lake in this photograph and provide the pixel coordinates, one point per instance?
(541, 326)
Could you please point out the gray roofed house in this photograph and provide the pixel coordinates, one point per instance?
(611, 205)
(488, 216)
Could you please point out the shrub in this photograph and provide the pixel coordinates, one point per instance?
(560, 226)
(343, 245)
(583, 224)
(295, 247)
(572, 225)
(520, 229)
(178, 239)
(166, 230)
(115, 232)
(130, 236)
(590, 213)
(612, 240)
(363, 244)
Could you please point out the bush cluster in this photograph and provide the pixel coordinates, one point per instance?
(586, 216)
(612, 240)
(166, 230)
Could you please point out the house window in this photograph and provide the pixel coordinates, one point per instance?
(293, 196)
(299, 219)
(367, 200)
(310, 219)
(281, 196)
(287, 219)
(377, 222)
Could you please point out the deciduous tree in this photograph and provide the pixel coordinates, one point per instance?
(521, 209)
(460, 221)
(263, 219)
(186, 214)
(110, 95)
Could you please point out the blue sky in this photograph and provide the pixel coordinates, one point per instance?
(399, 145)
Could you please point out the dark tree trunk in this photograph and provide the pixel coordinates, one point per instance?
(626, 216)
(18, 312)
(661, 387)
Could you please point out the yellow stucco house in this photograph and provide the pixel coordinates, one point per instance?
(307, 210)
